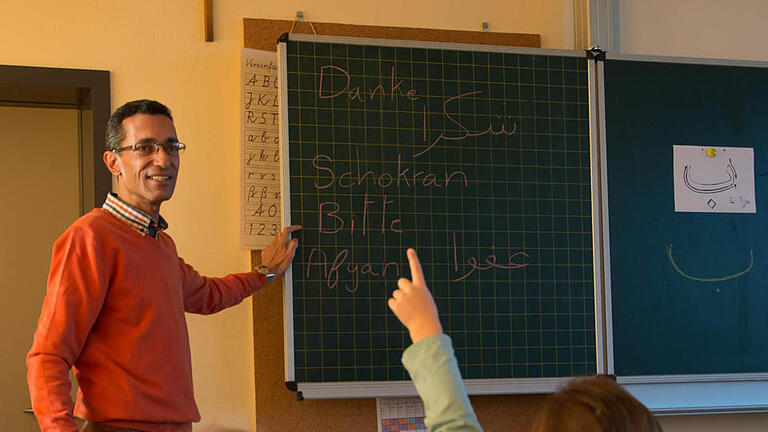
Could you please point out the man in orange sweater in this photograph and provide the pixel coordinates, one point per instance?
(118, 291)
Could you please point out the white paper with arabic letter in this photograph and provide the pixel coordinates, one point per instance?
(714, 179)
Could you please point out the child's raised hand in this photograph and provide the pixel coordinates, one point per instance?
(413, 305)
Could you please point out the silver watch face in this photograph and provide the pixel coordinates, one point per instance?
(266, 271)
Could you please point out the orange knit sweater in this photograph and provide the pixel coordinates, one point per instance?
(114, 310)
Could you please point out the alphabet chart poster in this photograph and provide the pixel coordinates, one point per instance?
(481, 162)
(260, 208)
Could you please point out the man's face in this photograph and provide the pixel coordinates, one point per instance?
(145, 181)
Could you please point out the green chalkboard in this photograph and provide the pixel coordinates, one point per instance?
(688, 288)
(478, 159)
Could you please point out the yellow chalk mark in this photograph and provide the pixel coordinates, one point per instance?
(720, 279)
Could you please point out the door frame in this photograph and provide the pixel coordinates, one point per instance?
(86, 90)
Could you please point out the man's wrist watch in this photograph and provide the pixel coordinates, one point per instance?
(266, 271)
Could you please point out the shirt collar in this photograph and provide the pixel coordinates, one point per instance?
(135, 218)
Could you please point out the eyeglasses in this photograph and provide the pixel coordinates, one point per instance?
(150, 148)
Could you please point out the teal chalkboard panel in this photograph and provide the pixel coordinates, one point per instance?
(478, 159)
(688, 289)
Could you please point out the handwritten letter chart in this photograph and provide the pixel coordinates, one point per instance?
(260, 149)
(480, 161)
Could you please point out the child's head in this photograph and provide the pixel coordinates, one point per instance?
(594, 405)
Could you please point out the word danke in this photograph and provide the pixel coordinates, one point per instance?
(360, 93)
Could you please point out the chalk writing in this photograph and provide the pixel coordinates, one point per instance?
(329, 210)
(514, 261)
(326, 89)
(377, 185)
(319, 259)
(712, 279)
(465, 133)
(403, 176)
(376, 216)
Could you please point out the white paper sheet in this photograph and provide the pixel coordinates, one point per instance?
(714, 179)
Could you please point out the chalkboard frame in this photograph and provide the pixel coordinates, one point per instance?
(359, 389)
(680, 393)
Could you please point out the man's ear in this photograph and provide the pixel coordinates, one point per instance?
(112, 161)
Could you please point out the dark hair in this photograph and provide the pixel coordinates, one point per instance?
(596, 404)
(115, 132)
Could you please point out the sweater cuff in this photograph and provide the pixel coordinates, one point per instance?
(426, 347)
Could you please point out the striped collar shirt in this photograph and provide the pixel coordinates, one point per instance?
(135, 218)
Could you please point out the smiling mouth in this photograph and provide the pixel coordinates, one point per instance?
(159, 178)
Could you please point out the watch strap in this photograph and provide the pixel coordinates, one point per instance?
(266, 271)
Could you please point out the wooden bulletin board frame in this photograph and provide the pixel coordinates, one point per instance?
(277, 407)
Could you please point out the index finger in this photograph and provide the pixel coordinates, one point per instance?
(289, 229)
(417, 275)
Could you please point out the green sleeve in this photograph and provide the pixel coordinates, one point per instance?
(435, 373)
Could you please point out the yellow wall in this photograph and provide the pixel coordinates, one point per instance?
(701, 28)
(155, 49)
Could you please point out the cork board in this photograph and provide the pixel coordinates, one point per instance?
(277, 408)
